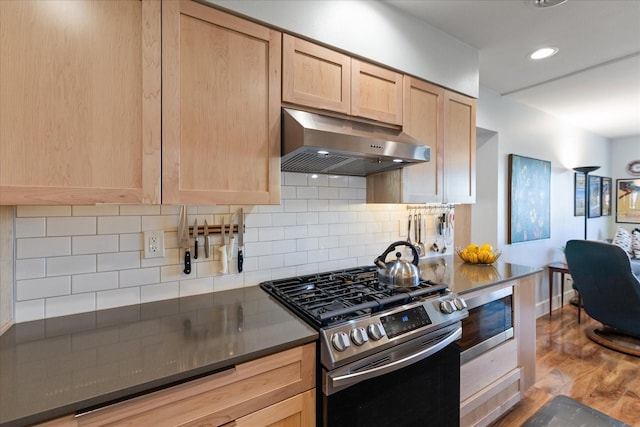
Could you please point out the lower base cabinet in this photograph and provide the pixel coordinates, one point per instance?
(275, 390)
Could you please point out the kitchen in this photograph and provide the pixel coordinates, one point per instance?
(322, 224)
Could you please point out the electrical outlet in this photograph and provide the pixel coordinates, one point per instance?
(154, 244)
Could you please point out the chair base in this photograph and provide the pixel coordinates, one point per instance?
(615, 340)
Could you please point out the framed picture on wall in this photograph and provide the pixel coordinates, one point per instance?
(595, 196)
(606, 196)
(529, 199)
(578, 194)
(628, 201)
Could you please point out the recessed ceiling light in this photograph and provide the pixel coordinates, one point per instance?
(544, 52)
(397, 160)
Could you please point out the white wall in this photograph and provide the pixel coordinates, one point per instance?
(374, 30)
(529, 132)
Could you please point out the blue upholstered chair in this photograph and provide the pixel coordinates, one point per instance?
(609, 290)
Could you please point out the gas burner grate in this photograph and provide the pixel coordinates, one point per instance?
(328, 298)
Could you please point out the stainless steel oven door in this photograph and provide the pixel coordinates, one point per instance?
(411, 384)
(388, 361)
(490, 323)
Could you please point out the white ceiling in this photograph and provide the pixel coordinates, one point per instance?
(592, 82)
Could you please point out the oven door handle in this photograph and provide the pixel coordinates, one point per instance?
(341, 381)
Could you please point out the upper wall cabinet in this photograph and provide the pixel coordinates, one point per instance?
(80, 103)
(221, 107)
(444, 121)
(321, 78)
(459, 148)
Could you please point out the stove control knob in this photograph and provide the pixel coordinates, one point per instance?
(340, 341)
(460, 303)
(375, 331)
(359, 336)
(447, 307)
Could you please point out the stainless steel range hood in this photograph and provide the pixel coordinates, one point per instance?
(314, 143)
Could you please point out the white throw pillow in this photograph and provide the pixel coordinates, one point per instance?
(623, 239)
(635, 243)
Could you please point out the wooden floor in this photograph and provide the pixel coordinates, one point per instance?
(569, 363)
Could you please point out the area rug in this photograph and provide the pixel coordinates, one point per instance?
(563, 411)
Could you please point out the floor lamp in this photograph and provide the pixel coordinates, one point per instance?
(585, 170)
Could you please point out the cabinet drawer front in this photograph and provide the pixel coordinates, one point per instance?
(315, 76)
(219, 398)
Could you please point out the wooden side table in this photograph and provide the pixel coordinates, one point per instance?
(557, 267)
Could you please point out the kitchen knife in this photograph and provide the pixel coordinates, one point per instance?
(183, 236)
(206, 239)
(223, 249)
(240, 240)
(195, 237)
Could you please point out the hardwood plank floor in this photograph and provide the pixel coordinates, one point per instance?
(569, 363)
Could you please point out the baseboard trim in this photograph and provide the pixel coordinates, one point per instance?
(5, 326)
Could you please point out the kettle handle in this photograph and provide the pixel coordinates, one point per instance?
(392, 247)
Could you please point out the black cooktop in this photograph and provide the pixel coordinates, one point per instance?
(332, 297)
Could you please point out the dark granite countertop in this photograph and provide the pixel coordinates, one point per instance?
(464, 278)
(50, 368)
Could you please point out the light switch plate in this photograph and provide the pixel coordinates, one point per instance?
(154, 244)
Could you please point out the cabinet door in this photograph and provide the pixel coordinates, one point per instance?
(297, 411)
(376, 93)
(221, 107)
(80, 104)
(423, 119)
(315, 76)
(459, 148)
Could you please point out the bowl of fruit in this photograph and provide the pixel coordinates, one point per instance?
(474, 254)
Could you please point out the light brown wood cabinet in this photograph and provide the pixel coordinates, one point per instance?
(321, 78)
(80, 105)
(445, 121)
(221, 85)
(275, 390)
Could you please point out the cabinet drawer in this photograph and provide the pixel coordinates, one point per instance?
(483, 370)
(216, 399)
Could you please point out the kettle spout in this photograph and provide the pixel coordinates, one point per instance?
(379, 262)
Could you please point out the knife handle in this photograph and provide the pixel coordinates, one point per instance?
(195, 249)
(187, 262)
(240, 260)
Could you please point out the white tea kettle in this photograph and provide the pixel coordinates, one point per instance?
(399, 273)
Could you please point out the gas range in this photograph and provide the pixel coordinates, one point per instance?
(357, 315)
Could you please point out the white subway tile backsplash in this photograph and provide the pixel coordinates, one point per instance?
(159, 292)
(74, 259)
(117, 298)
(309, 244)
(119, 224)
(93, 282)
(77, 264)
(195, 286)
(119, 261)
(30, 227)
(43, 247)
(30, 268)
(26, 311)
(71, 226)
(139, 277)
(328, 193)
(306, 192)
(94, 244)
(70, 304)
(139, 210)
(295, 205)
(42, 288)
(271, 233)
(95, 210)
(133, 241)
(43, 211)
(291, 178)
